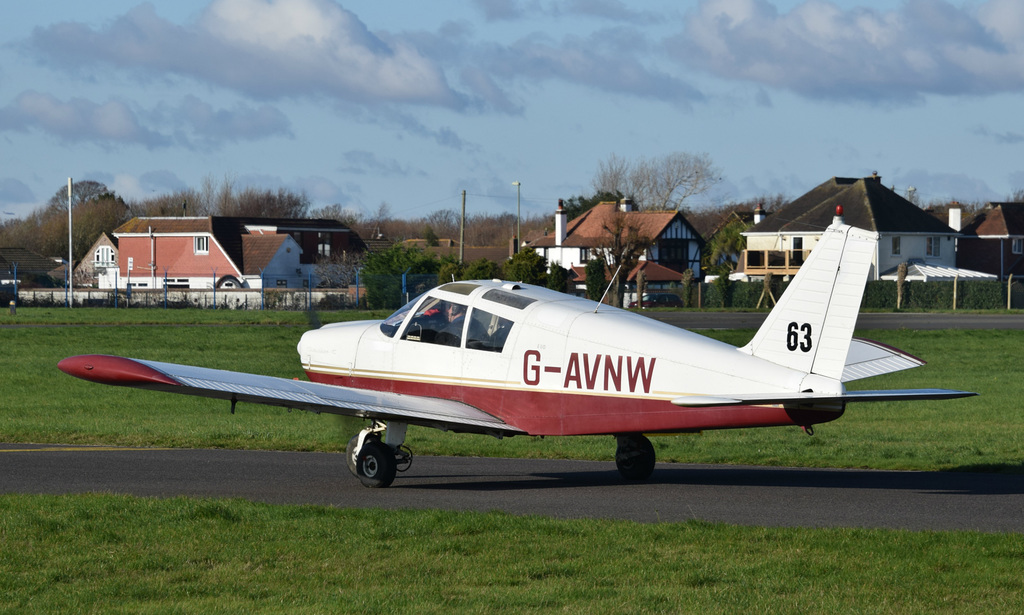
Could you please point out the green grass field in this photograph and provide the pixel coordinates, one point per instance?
(102, 553)
(43, 405)
(120, 554)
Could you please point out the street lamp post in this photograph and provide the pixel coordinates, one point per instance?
(519, 219)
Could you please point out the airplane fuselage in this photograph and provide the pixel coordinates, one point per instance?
(564, 366)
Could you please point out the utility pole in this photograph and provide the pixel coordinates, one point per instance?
(519, 221)
(71, 262)
(462, 230)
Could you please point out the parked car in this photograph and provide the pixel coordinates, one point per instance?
(660, 300)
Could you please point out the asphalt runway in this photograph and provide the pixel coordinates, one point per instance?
(758, 496)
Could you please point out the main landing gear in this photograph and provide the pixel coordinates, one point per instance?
(634, 456)
(375, 460)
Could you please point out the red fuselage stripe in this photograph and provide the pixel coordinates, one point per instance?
(561, 414)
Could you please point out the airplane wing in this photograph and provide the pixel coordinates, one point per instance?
(298, 394)
(710, 401)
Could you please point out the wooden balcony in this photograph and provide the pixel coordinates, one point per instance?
(778, 262)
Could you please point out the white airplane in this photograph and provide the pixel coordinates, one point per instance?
(509, 359)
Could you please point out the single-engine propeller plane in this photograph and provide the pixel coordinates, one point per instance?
(507, 359)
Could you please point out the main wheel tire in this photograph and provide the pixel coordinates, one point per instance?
(350, 455)
(634, 457)
(375, 464)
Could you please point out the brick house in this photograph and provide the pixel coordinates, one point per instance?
(993, 241)
(226, 252)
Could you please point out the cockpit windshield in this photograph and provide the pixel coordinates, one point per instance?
(392, 323)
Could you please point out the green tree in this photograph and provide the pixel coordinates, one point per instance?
(528, 266)
(595, 273)
(726, 245)
(382, 274)
(481, 269)
(558, 278)
(430, 236)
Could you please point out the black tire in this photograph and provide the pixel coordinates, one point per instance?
(375, 464)
(350, 455)
(634, 457)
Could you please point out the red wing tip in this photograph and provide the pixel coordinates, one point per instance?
(107, 369)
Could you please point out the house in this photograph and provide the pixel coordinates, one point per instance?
(99, 266)
(28, 266)
(675, 245)
(780, 242)
(226, 252)
(993, 241)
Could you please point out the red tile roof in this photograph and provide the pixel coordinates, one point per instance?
(590, 228)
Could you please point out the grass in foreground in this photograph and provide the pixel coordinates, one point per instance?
(105, 553)
(43, 405)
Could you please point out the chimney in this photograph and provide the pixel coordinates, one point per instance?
(955, 221)
(875, 176)
(759, 213)
(626, 205)
(560, 224)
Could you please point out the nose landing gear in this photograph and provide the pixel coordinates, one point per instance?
(375, 460)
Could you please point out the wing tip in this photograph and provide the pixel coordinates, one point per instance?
(118, 371)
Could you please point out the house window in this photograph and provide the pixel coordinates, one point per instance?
(202, 245)
(584, 255)
(323, 244)
(798, 243)
(932, 247)
(282, 283)
(104, 256)
(896, 246)
(1017, 247)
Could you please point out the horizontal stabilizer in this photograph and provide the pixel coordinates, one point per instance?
(711, 401)
(867, 358)
(299, 394)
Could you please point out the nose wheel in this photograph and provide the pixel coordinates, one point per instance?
(376, 461)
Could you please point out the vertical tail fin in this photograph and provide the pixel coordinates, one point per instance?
(811, 326)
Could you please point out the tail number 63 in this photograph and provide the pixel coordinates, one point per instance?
(798, 336)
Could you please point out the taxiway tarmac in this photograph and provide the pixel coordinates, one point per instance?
(745, 495)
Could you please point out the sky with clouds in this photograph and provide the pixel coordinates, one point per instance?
(410, 103)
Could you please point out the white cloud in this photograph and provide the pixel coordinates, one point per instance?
(821, 51)
(268, 49)
(77, 120)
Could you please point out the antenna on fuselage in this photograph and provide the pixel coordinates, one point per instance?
(614, 277)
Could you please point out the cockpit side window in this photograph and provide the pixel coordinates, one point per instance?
(437, 322)
(487, 331)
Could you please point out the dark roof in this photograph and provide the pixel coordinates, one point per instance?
(998, 220)
(866, 203)
(27, 261)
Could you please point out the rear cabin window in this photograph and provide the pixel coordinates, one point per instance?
(504, 297)
(437, 322)
(487, 331)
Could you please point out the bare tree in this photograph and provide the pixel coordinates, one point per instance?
(657, 183)
(622, 251)
(338, 270)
